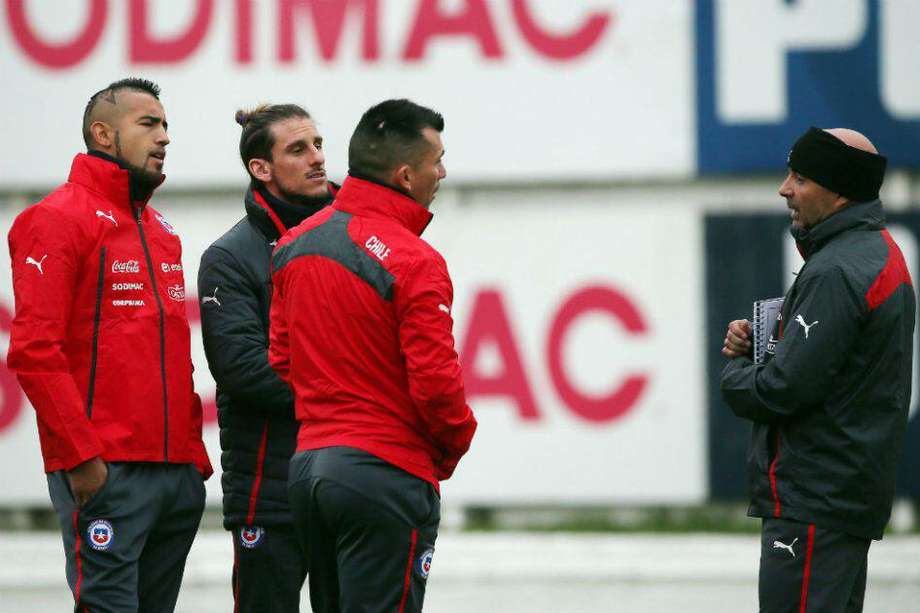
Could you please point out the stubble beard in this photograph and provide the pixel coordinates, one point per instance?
(143, 178)
(305, 200)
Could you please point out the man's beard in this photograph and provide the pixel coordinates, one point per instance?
(142, 181)
(303, 199)
(143, 178)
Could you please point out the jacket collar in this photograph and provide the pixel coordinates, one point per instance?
(369, 199)
(273, 217)
(103, 175)
(862, 215)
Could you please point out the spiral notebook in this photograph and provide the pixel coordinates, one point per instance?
(766, 312)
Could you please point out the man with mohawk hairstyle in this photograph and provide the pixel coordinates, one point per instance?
(101, 346)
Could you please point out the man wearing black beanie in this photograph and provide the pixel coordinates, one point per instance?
(830, 401)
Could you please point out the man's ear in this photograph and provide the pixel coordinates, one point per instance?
(402, 177)
(261, 169)
(103, 134)
(840, 202)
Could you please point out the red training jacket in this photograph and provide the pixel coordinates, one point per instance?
(361, 329)
(100, 340)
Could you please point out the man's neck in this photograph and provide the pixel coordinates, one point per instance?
(292, 213)
(370, 179)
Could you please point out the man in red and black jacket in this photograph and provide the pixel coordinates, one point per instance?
(283, 154)
(361, 327)
(101, 346)
(829, 403)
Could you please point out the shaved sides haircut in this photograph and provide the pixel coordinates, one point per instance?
(108, 97)
(389, 135)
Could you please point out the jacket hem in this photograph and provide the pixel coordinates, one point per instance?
(56, 465)
(424, 470)
(822, 521)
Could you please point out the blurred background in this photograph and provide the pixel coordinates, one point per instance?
(610, 205)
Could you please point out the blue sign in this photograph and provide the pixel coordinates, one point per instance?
(766, 71)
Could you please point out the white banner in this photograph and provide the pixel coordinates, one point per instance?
(530, 89)
(579, 324)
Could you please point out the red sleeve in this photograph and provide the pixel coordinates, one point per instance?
(426, 339)
(279, 352)
(45, 265)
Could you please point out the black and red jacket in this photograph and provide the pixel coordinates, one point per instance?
(361, 327)
(255, 409)
(830, 403)
(100, 342)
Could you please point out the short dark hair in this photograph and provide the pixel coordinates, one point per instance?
(388, 135)
(134, 83)
(257, 138)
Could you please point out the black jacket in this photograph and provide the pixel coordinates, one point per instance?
(258, 431)
(830, 402)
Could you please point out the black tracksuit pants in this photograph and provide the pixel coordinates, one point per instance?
(368, 530)
(268, 569)
(807, 569)
(126, 547)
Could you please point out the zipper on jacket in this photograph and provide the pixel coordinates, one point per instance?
(156, 295)
(95, 351)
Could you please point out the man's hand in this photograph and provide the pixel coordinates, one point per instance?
(737, 339)
(87, 479)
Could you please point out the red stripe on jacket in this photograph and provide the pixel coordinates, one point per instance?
(270, 211)
(892, 276)
(777, 509)
(257, 482)
(273, 216)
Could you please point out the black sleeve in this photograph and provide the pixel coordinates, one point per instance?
(235, 337)
(807, 357)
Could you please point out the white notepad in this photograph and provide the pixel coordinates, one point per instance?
(766, 312)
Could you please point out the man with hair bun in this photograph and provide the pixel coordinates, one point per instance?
(101, 346)
(282, 152)
(830, 401)
(361, 327)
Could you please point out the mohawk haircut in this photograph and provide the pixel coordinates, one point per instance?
(107, 95)
(389, 135)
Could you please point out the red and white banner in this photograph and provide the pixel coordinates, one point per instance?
(530, 89)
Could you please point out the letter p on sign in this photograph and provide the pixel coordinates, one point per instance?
(753, 39)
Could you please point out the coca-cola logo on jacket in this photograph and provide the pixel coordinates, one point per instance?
(127, 266)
